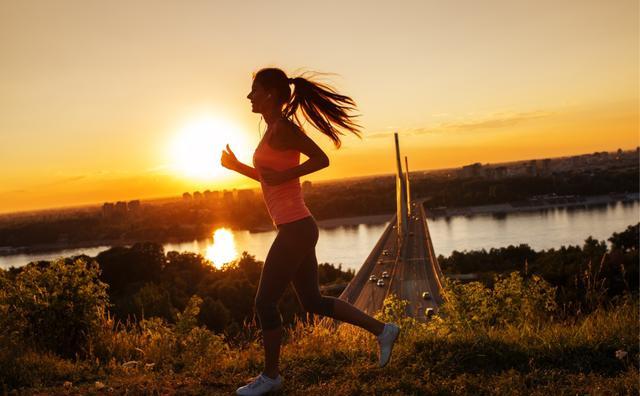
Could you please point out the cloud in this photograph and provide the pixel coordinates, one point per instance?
(36, 187)
(160, 169)
(488, 123)
(65, 180)
(497, 121)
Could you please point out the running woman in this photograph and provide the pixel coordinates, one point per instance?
(292, 257)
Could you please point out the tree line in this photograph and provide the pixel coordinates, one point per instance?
(580, 273)
(196, 219)
(143, 281)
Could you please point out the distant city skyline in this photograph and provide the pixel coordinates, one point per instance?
(460, 171)
(133, 100)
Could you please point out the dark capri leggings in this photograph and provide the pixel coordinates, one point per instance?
(291, 258)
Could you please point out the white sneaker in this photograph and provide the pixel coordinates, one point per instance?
(260, 385)
(385, 342)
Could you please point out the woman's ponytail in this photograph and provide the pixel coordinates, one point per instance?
(320, 104)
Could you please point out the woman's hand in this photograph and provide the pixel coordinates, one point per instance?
(228, 159)
(273, 177)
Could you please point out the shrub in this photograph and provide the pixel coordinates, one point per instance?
(394, 309)
(514, 301)
(53, 306)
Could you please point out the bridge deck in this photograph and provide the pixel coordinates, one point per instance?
(412, 270)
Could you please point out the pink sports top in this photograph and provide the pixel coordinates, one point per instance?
(284, 201)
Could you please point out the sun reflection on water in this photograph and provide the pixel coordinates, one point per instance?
(223, 249)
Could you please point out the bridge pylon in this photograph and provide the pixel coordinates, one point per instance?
(402, 207)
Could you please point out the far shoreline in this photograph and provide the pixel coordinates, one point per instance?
(520, 207)
(352, 221)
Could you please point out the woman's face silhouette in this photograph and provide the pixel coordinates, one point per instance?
(260, 98)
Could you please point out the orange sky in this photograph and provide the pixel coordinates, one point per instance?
(97, 96)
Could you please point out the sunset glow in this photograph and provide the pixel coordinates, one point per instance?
(195, 151)
(136, 100)
(223, 249)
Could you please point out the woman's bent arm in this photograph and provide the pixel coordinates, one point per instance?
(247, 171)
(229, 161)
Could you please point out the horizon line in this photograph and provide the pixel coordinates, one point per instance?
(365, 176)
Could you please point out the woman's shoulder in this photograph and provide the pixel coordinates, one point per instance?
(286, 133)
(287, 126)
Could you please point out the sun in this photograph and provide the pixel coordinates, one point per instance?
(196, 149)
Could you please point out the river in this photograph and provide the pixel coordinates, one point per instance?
(350, 245)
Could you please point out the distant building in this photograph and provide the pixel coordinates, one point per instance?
(500, 172)
(472, 170)
(489, 173)
(134, 205)
(495, 173)
(107, 209)
(227, 196)
(306, 186)
(546, 166)
(531, 168)
(245, 195)
(120, 208)
(211, 195)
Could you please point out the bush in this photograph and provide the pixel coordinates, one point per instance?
(153, 300)
(154, 343)
(626, 240)
(214, 315)
(394, 310)
(513, 301)
(52, 306)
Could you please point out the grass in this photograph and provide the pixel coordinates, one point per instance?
(551, 358)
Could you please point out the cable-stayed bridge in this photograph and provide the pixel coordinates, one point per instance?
(402, 262)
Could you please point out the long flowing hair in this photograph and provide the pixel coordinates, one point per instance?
(319, 103)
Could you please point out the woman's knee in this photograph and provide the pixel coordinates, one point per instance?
(268, 313)
(323, 305)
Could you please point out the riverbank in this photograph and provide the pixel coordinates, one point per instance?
(353, 221)
(533, 205)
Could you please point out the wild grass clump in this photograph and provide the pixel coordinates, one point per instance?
(52, 307)
(507, 339)
(513, 301)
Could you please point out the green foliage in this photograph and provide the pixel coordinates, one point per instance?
(188, 319)
(513, 301)
(626, 240)
(495, 259)
(214, 314)
(505, 339)
(122, 266)
(328, 273)
(395, 309)
(180, 346)
(32, 369)
(586, 276)
(164, 288)
(53, 306)
(523, 301)
(154, 344)
(153, 300)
